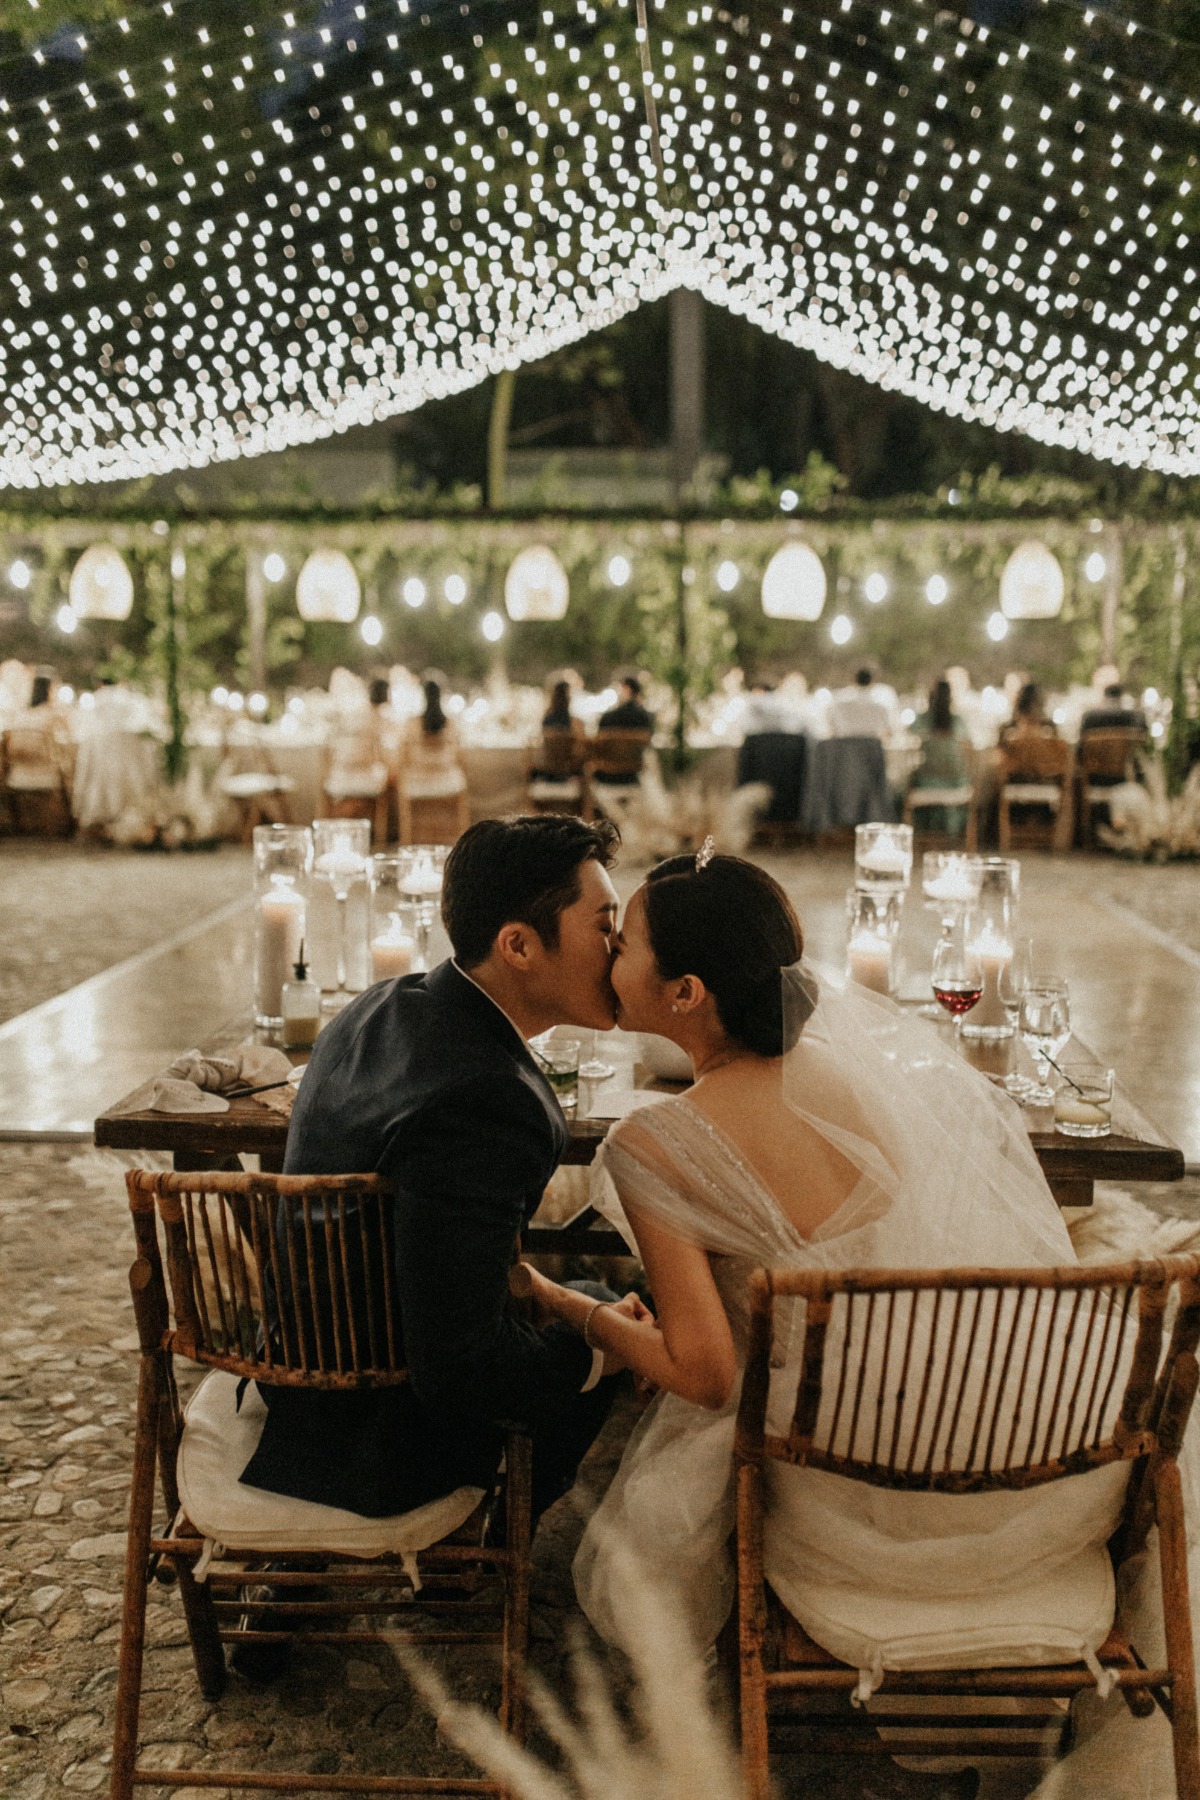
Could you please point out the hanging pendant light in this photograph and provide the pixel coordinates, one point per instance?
(1031, 586)
(327, 588)
(101, 585)
(793, 586)
(536, 585)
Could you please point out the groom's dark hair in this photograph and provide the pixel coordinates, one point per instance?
(518, 871)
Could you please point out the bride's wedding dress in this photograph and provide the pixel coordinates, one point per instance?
(946, 1177)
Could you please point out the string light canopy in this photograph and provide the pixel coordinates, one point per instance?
(536, 586)
(327, 588)
(793, 584)
(1031, 584)
(101, 586)
(226, 230)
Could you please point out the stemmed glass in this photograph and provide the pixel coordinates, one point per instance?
(1015, 977)
(593, 1067)
(957, 977)
(1044, 1020)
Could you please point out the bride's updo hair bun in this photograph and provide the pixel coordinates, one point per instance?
(732, 925)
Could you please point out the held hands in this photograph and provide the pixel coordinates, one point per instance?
(549, 1300)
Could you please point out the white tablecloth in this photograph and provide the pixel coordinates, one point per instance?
(115, 772)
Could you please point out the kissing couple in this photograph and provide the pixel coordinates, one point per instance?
(823, 1128)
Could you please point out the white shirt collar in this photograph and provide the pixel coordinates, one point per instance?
(488, 997)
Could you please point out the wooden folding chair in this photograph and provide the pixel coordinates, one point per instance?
(288, 1281)
(1036, 772)
(1102, 760)
(965, 1381)
(558, 783)
(617, 754)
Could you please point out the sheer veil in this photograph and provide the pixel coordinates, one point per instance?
(946, 1147)
(947, 1177)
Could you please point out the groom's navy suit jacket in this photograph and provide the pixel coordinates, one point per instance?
(424, 1081)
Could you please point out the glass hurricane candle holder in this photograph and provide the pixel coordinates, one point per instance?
(421, 873)
(341, 852)
(393, 930)
(990, 943)
(283, 859)
(873, 927)
(883, 857)
(949, 882)
(999, 879)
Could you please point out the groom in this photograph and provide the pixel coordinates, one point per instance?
(428, 1081)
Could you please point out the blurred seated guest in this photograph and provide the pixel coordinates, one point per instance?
(1029, 716)
(430, 771)
(771, 709)
(561, 753)
(359, 776)
(856, 712)
(558, 715)
(1117, 712)
(628, 714)
(943, 758)
(431, 766)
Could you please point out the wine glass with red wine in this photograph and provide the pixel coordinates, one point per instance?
(957, 971)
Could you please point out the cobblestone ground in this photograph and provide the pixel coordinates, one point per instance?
(67, 1376)
(67, 1379)
(106, 904)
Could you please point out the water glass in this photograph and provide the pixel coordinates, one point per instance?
(1044, 1021)
(1083, 1102)
(557, 1055)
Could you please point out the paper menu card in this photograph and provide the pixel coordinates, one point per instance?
(617, 1103)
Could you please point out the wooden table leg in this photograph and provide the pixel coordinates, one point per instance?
(1072, 1190)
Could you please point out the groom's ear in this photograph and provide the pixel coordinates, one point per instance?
(515, 943)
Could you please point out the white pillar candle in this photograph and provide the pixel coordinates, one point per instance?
(423, 880)
(392, 952)
(280, 929)
(954, 883)
(995, 954)
(869, 962)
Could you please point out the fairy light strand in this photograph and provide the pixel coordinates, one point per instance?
(885, 187)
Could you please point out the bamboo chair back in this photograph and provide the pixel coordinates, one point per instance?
(964, 1380)
(618, 752)
(563, 753)
(1108, 754)
(1036, 759)
(284, 1279)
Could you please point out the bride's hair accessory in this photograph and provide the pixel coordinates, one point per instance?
(706, 852)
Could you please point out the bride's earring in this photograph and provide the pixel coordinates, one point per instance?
(674, 1006)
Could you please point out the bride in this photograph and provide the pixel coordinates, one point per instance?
(824, 1129)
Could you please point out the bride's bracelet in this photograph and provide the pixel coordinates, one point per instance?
(588, 1339)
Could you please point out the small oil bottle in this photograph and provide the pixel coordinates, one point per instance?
(301, 1007)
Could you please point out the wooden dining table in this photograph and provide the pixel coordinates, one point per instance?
(1134, 1151)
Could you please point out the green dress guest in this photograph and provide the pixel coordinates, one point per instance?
(943, 759)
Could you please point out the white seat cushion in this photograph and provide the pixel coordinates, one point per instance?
(890, 1580)
(442, 786)
(28, 778)
(255, 783)
(936, 796)
(569, 789)
(1033, 793)
(218, 1442)
(357, 783)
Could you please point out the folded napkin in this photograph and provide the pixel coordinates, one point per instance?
(193, 1083)
(249, 1065)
